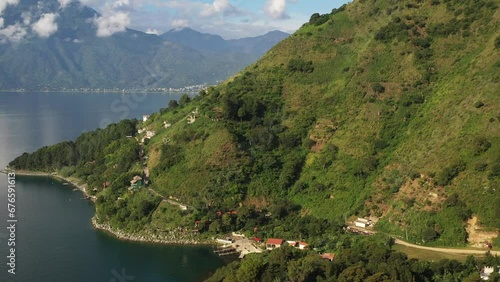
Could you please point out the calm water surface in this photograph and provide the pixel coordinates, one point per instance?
(55, 240)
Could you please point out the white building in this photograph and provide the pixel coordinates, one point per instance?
(145, 118)
(362, 222)
(487, 271)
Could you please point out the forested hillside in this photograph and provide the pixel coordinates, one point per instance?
(388, 109)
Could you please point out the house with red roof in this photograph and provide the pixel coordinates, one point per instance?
(273, 243)
(257, 239)
(328, 256)
(303, 245)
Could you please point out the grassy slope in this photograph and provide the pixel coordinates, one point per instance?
(344, 110)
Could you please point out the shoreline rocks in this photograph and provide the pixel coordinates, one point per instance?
(170, 238)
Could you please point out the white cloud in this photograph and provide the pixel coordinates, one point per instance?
(46, 25)
(5, 3)
(111, 23)
(152, 31)
(218, 7)
(12, 33)
(121, 3)
(180, 23)
(64, 3)
(276, 9)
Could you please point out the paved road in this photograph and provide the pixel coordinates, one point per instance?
(445, 250)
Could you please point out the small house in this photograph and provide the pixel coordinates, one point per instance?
(273, 243)
(257, 240)
(303, 245)
(238, 235)
(328, 256)
(486, 272)
(362, 222)
(145, 118)
(292, 243)
(136, 182)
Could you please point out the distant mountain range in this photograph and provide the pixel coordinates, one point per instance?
(73, 57)
(209, 44)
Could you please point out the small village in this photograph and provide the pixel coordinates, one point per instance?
(237, 243)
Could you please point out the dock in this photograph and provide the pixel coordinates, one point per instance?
(227, 251)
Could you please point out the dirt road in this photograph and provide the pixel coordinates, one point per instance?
(445, 250)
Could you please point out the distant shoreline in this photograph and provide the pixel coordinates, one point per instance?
(104, 91)
(168, 238)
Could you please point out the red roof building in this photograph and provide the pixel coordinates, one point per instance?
(328, 256)
(303, 245)
(273, 243)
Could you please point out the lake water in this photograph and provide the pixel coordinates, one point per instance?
(54, 238)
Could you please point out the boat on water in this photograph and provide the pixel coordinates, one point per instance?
(65, 183)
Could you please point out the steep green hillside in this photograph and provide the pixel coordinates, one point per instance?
(388, 109)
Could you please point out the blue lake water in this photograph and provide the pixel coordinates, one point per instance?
(54, 237)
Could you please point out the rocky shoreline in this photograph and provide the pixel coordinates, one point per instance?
(170, 238)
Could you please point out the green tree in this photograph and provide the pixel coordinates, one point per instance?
(215, 227)
(250, 269)
(185, 99)
(307, 269)
(353, 274)
(173, 104)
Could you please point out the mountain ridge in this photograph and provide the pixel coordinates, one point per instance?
(73, 57)
(208, 43)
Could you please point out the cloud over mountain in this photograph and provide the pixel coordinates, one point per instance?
(64, 3)
(276, 9)
(12, 33)
(46, 25)
(111, 23)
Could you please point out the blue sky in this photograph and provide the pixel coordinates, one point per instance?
(228, 18)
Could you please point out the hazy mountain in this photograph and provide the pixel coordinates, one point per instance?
(74, 57)
(208, 43)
